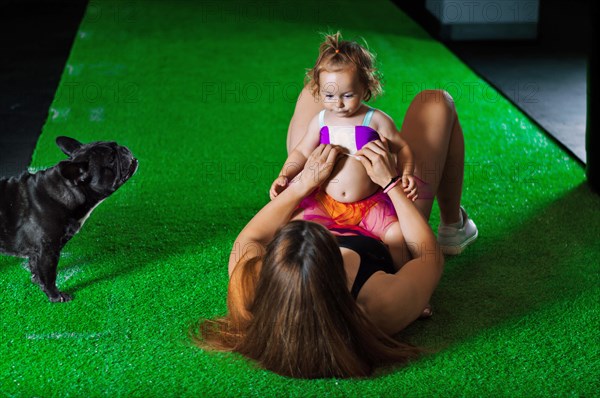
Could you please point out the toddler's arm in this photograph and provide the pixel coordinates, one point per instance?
(404, 156)
(406, 166)
(297, 158)
(406, 163)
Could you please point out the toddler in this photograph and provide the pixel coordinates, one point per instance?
(349, 202)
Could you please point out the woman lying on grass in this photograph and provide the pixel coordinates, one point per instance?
(289, 301)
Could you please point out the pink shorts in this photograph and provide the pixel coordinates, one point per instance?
(370, 216)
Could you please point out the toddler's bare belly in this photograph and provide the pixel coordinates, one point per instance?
(349, 182)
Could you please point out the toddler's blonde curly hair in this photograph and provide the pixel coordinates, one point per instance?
(336, 54)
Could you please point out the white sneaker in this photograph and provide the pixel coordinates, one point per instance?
(453, 240)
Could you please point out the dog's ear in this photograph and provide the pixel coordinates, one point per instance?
(68, 145)
(76, 172)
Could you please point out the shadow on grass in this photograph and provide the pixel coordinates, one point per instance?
(137, 233)
(552, 257)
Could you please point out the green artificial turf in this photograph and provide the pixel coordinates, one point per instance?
(202, 93)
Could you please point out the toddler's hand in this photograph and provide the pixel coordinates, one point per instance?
(410, 187)
(278, 186)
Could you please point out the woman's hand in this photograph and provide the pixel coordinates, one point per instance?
(317, 169)
(378, 161)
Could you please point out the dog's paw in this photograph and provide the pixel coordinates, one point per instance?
(60, 298)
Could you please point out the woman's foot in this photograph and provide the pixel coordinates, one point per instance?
(454, 238)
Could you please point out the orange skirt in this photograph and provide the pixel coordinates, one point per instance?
(370, 216)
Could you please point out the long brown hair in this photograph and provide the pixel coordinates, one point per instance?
(295, 316)
(336, 54)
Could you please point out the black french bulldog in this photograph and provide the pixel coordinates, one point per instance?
(40, 212)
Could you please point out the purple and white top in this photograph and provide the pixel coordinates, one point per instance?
(352, 138)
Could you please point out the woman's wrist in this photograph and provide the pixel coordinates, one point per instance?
(396, 193)
(391, 182)
(299, 189)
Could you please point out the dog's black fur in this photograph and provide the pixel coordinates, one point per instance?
(40, 212)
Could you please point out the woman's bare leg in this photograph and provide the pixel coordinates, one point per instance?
(450, 188)
(435, 137)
